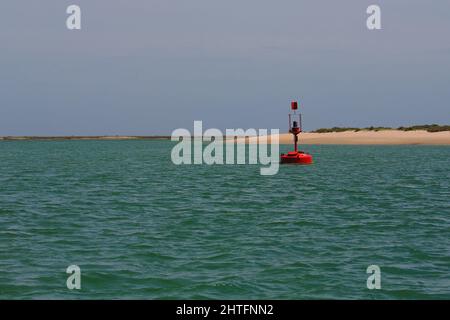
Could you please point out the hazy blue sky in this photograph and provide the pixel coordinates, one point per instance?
(150, 66)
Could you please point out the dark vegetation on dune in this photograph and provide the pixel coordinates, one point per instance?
(427, 127)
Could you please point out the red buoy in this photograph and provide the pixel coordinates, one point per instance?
(295, 127)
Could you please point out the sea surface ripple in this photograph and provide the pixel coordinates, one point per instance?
(141, 227)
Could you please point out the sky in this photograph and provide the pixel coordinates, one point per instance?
(147, 67)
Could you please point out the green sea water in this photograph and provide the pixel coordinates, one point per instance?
(140, 227)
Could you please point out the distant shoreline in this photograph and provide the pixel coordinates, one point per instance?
(45, 138)
(362, 137)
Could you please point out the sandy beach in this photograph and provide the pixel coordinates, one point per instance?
(383, 137)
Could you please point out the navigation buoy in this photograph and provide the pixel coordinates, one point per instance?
(295, 127)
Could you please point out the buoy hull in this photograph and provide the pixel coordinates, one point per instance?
(296, 158)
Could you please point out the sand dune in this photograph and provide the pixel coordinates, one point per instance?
(390, 137)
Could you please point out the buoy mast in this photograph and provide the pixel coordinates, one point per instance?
(295, 123)
(295, 127)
